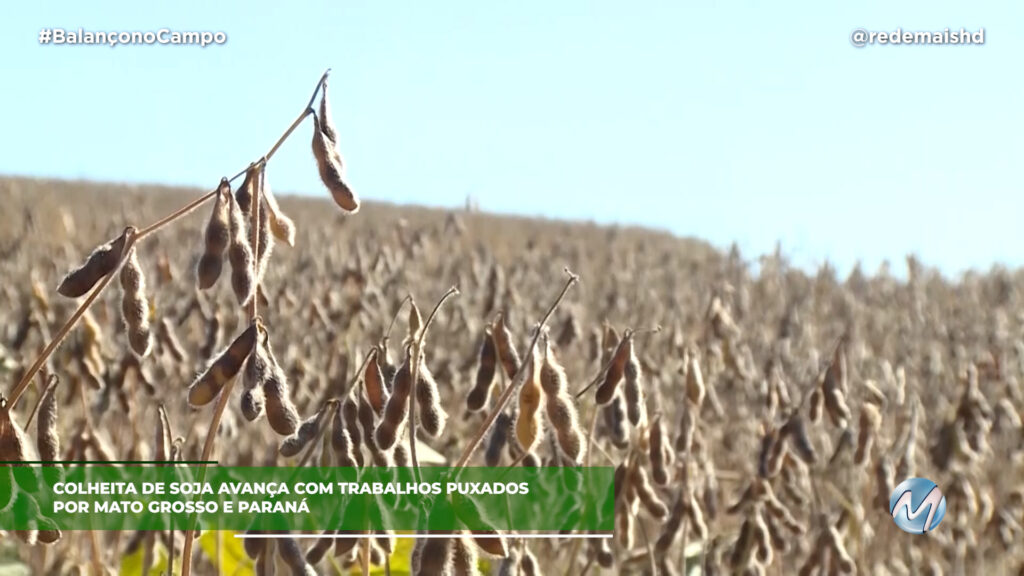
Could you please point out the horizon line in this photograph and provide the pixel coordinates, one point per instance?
(810, 265)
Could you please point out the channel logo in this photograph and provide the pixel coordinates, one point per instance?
(917, 505)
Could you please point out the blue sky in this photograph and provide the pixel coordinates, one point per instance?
(729, 121)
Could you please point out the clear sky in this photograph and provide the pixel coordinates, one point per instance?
(743, 121)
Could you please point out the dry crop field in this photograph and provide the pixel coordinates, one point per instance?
(758, 422)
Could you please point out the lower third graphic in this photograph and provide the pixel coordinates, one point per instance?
(917, 505)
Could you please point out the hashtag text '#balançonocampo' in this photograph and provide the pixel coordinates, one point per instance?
(164, 36)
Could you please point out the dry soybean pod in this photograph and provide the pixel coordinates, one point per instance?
(254, 546)
(308, 430)
(464, 559)
(836, 407)
(434, 558)
(281, 226)
(368, 423)
(687, 427)
(343, 546)
(341, 442)
(377, 554)
(432, 417)
(528, 420)
(373, 383)
(255, 374)
(350, 417)
(243, 196)
(49, 536)
(615, 419)
(695, 389)
(240, 255)
(870, 421)
(796, 430)
(396, 411)
(497, 439)
(553, 380)
(101, 262)
(764, 551)
(602, 552)
(709, 492)
(317, 552)
(387, 366)
(672, 525)
(563, 417)
(415, 322)
(616, 369)
(743, 548)
(264, 238)
(648, 497)
(657, 452)
(264, 561)
(293, 557)
(401, 455)
(281, 413)
(492, 545)
(209, 384)
(164, 437)
(135, 305)
(331, 168)
(696, 516)
(485, 372)
(506, 349)
(47, 438)
(561, 410)
(216, 238)
(633, 392)
(816, 404)
(14, 447)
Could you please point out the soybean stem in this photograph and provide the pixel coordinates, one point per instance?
(417, 352)
(604, 369)
(355, 377)
(211, 437)
(298, 120)
(184, 210)
(587, 459)
(630, 333)
(254, 231)
(51, 383)
(394, 318)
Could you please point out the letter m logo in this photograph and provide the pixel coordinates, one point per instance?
(930, 504)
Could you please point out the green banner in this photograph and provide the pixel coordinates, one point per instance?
(306, 499)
